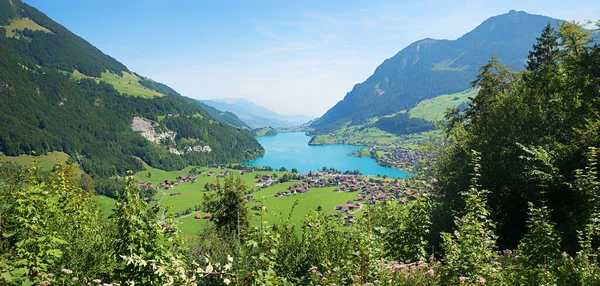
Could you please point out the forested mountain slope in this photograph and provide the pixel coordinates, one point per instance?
(429, 67)
(60, 93)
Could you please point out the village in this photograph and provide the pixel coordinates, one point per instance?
(369, 190)
(402, 157)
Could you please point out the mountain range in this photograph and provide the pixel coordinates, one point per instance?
(60, 93)
(255, 115)
(430, 67)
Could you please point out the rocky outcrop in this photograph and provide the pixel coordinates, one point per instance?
(147, 128)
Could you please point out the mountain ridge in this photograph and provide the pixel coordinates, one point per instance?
(255, 115)
(430, 67)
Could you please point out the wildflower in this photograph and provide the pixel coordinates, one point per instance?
(75, 278)
(50, 275)
(313, 269)
(430, 272)
(507, 252)
(44, 283)
(462, 279)
(481, 280)
(66, 271)
(96, 281)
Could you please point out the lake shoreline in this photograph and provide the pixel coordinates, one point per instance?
(291, 150)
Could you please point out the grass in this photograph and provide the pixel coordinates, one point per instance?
(367, 134)
(192, 195)
(357, 135)
(307, 203)
(22, 24)
(434, 109)
(106, 204)
(46, 162)
(129, 84)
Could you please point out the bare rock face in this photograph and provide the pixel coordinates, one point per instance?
(148, 131)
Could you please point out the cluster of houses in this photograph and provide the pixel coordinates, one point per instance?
(205, 216)
(145, 185)
(170, 184)
(347, 209)
(401, 157)
(293, 190)
(264, 180)
(369, 190)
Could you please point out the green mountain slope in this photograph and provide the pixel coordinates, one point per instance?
(429, 68)
(45, 106)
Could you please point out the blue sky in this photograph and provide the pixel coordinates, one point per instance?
(294, 57)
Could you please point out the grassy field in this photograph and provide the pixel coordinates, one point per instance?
(279, 208)
(357, 135)
(129, 84)
(192, 195)
(434, 109)
(46, 162)
(106, 204)
(126, 84)
(362, 135)
(366, 134)
(22, 24)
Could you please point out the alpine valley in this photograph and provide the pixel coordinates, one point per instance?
(471, 161)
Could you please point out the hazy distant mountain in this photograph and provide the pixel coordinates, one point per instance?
(255, 115)
(429, 67)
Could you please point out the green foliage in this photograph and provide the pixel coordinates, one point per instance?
(404, 229)
(552, 106)
(227, 206)
(53, 224)
(469, 251)
(148, 248)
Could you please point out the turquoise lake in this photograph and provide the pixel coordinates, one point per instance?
(291, 150)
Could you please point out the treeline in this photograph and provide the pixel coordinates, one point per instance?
(533, 130)
(402, 123)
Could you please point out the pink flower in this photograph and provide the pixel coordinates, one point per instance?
(96, 281)
(430, 272)
(66, 271)
(481, 280)
(50, 275)
(462, 279)
(75, 278)
(44, 283)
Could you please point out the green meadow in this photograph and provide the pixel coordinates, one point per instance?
(127, 84)
(22, 24)
(192, 195)
(45, 162)
(434, 109)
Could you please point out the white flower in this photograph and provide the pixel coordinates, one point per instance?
(226, 281)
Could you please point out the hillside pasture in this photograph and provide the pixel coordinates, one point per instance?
(22, 24)
(434, 109)
(129, 84)
(46, 162)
